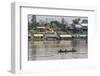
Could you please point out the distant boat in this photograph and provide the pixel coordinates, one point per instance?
(66, 50)
(51, 37)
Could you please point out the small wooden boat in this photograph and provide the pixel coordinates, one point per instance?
(66, 50)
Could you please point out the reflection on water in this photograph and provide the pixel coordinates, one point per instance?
(47, 50)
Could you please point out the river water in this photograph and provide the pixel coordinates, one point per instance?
(48, 50)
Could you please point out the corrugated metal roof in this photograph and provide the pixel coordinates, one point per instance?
(51, 35)
(38, 35)
(84, 24)
(41, 27)
(82, 35)
(78, 26)
(65, 35)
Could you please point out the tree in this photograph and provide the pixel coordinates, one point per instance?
(75, 21)
(33, 20)
(62, 21)
(30, 26)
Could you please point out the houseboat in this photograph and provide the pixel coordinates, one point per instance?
(38, 37)
(65, 37)
(51, 37)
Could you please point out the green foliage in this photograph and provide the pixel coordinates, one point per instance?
(76, 21)
(33, 31)
(30, 26)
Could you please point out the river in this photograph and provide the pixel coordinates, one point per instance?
(48, 50)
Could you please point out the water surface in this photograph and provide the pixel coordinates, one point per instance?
(48, 50)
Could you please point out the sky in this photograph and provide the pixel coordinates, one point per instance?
(49, 18)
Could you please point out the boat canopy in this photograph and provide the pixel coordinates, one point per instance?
(78, 26)
(38, 35)
(65, 35)
(84, 24)
(41, 27)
